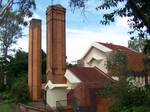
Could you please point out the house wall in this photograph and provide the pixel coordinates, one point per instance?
(138, 81)
(56, 94)
(72, 80)
(79, 93)
(82, 92)
(102, 104)
(91, 61)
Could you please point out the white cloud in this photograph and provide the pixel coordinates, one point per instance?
(78, 41)
(35, 15)
(122, 22)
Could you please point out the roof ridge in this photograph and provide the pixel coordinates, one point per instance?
(116, 46)
(112, 44)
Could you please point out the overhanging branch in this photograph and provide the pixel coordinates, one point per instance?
(140, 14)
(3, 11)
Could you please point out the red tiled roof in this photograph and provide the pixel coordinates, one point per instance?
(135, 60)
(88, 74)
(116, 47)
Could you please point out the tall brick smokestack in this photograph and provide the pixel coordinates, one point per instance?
(56, 44)
(34, 60)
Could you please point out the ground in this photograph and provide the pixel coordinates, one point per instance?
(8, 107)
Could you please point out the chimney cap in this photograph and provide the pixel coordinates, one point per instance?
(35, 21)
(56, 6)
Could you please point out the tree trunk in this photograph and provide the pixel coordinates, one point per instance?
(5, 52)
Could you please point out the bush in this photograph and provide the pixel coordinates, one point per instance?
(19, 89)
(133, 100)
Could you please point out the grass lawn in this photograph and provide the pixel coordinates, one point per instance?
(7, 108)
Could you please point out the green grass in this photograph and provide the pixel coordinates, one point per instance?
(7, 108)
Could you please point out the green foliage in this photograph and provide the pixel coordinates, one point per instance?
(22, 7)
(128, 98)
(117, 64)
(74, 104)
(147, 65)
(19, 89)
(16, 89)
(16, 66)
(127, 9)
(147, 47)
(77, 3)
(104, 92)
(137, 44)
(5, 108)
(133, 100)
(137, 11)
(6, 97)
(12, 14)
(8, 107)
(10, 32)
(43, 58)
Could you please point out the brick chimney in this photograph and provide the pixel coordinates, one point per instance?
(56, 44)
(34, 60)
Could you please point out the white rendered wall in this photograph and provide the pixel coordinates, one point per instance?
(56, 94)
(71, 77)
(101, 63)
(72, 80)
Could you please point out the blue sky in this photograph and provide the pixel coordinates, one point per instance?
(81, 29)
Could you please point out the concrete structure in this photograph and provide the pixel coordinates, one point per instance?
(34, 60)
(56, 44)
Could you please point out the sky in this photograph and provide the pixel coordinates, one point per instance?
(82, 29)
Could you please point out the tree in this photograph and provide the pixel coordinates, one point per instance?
(43, 58)
(16, 69)
(10, 32)
(133, 100)
(23, 7)
(147, 48)
(138, 12)
(137, 44)
(19, 89)
(12, 14)
(11, 69)
(127, 96)
(117, 64)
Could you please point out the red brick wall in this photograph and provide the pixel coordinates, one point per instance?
(56, 44)
(102, 104)
(34, 60)
(82, 93)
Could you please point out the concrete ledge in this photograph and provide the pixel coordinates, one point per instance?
(27, 108)
(50, 85)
